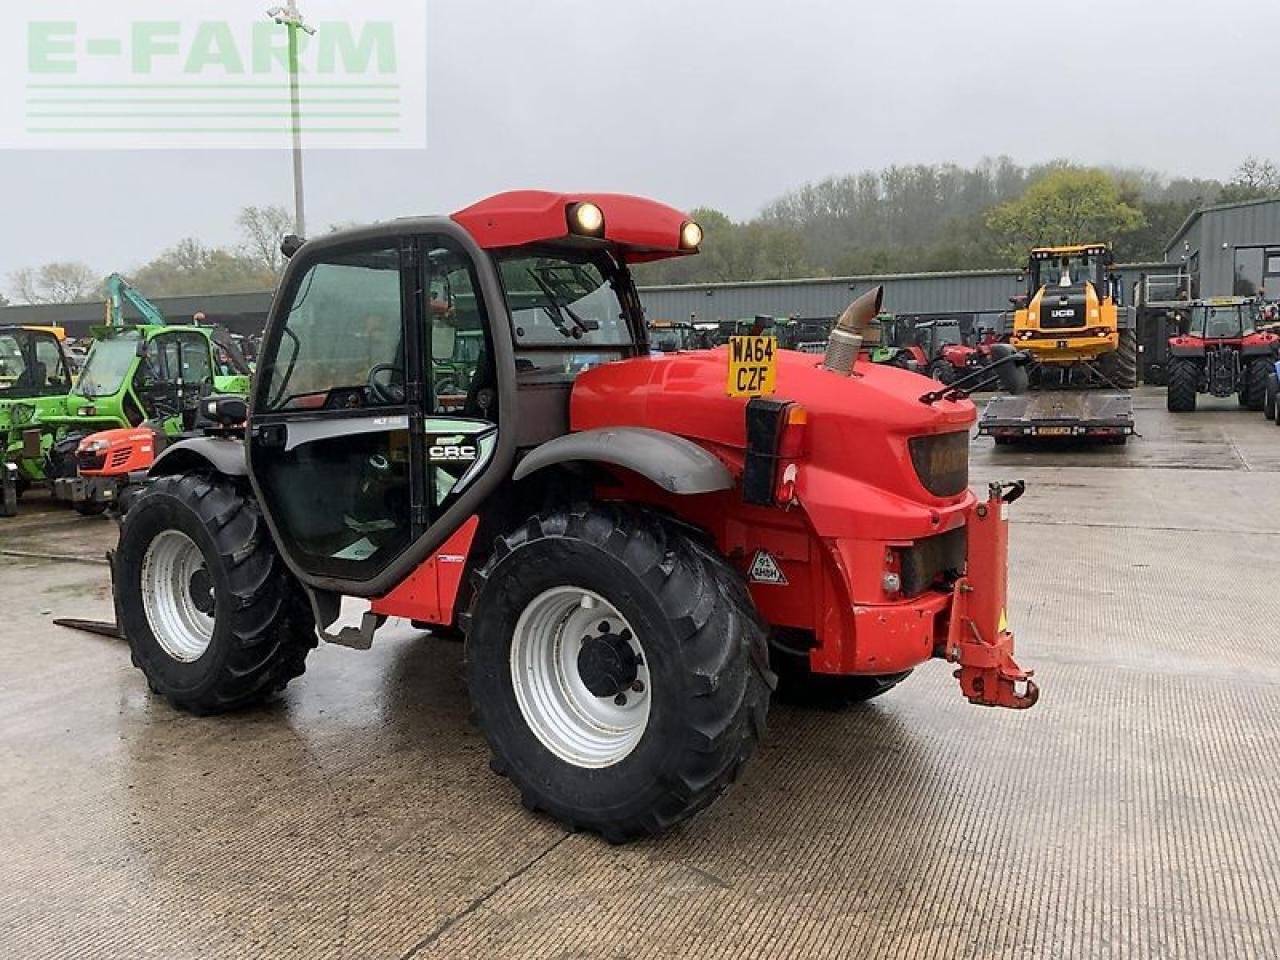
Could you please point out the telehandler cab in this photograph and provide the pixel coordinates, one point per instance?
(626, 544)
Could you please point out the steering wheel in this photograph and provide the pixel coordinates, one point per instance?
(392, 393)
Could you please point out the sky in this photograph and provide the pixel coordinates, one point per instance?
(722, 103)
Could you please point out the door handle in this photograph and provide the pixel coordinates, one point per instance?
(271, 436)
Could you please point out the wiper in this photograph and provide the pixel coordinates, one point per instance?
(557, 311)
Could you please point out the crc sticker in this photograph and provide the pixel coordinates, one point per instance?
(452, 450)
(753, 366)
(765, 569)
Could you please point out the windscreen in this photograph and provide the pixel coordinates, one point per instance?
(109, 363)
(13, 366)
(566, 315)
(1218, 323)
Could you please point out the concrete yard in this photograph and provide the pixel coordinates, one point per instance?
(1132, 813)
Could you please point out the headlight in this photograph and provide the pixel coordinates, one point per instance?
(586, 219)
(690, 236)
(94, 446)
(21, 413)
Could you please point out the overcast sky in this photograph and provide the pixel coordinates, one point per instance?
(726, 103)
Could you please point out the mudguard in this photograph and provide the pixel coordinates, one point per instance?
(224, 455)
(675, 464)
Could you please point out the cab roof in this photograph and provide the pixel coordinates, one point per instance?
(640, 230)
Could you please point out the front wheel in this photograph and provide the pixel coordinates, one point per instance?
(1270, 395)
(212, 616)
(1184, 382)
(1253, 394)
(617, 669)
(942, 371)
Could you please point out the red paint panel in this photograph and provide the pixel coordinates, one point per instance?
(429, 593)
(645, 229)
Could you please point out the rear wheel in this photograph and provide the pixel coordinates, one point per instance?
(617, 669)
(1184, 381)
(1253, 395)
(1269, 396)
(212, 616)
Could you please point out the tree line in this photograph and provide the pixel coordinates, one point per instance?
(903, 219)
(931, 217)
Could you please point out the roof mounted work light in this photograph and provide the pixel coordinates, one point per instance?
(690, 236)
(586, 219)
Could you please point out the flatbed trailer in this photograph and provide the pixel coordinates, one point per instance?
(1059, 415)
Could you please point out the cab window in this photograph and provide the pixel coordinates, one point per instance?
(342, 345)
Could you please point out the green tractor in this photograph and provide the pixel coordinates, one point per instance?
(139, 375)
(35, 378)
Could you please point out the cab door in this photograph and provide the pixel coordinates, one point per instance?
(330, 439)
(359, 441)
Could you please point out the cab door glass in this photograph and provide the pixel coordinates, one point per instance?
(51, 372)
(462, 418)
(341, 347)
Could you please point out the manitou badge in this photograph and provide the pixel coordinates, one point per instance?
(765, 569)
(753, 366)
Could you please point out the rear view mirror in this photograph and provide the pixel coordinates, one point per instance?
(1011, 367)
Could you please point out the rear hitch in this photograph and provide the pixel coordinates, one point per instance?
(988, 674)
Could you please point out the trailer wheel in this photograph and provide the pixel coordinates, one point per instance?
(1254, 393)
(1121, 365)
(800, 686)
(1269, 396)
(212, 616)
(617, 669)
(1184, 381)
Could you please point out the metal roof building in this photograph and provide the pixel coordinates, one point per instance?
(969, 292)
(1230, 249)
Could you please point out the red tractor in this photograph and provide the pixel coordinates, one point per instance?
(634, 546)
(940, 349)
(1219, 351)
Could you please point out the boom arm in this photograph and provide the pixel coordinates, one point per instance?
(118, 291)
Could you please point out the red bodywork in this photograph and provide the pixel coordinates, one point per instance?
(1187, 343)
(128, 450)
(640, 230)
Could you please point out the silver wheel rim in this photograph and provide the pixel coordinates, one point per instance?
(581, 727)
(177, 596)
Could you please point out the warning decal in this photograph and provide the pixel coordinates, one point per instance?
(765, 569)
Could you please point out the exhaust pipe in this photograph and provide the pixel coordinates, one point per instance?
(846, 335)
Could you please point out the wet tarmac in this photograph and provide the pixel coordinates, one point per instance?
(1132, 813)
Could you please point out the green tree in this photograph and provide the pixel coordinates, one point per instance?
(61, 282)
(191, 268)
(1254, 179)
(1067, 206)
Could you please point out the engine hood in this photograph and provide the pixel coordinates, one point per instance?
(858, 430)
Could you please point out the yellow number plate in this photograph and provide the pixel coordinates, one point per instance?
(753, 366)
(1053, 432)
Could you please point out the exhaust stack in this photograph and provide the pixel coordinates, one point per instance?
(846, 335)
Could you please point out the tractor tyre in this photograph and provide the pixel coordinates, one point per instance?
(1184, 381)
(1253, 394)
(61, 458)
(800, 686)
(88, 508)
(212, 616)
(1269, 396)
(617, 668)
(1121, 365)
(942, 371)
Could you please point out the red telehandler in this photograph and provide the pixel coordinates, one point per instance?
(632, 544)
